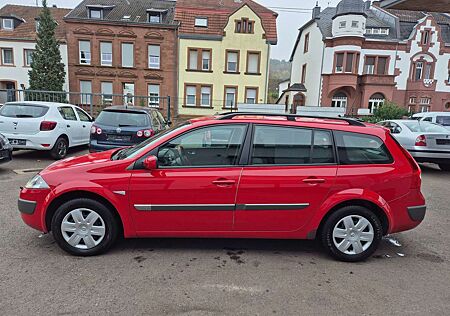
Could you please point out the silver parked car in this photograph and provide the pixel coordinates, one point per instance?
(427, 142)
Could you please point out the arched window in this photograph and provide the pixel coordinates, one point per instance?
(423, 67)
(375, 102)
(339, 100)
(299, 99)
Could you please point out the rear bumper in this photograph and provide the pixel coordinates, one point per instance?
(417, 213)
(437, 156)
(34, 141)
(94, 146)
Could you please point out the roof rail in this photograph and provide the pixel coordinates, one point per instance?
(290, 117)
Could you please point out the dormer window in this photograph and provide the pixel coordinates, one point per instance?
(342, 25)
(201, 22)
(8, 24)
(244, 25)
(355, 24)
(96, 13)
(154, 17)
(425, 37)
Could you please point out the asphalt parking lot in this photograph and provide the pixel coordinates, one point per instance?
(410, 273)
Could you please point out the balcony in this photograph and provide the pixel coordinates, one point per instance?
(338, 80)
(377, 80)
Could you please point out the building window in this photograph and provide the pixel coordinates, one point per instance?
(339, 100)
(427, 74)
(419, 70)
(251, 95)
(425, 37)
(244, 26)
(381, 65)
(154, 17)
(107, 92)
(85, 52)
(199, 58)
(232, 61)
(191, 96)
(340, 62)
(355, 24)
(193, 59)
(154, 56)
(425, 100)
(424, 108)
(128, 55)
(342, 25)
(37, 24)
(205, 96)
(375, 102)
(106, 54)
(96, 13)
(201, 22)
(7, 56)
(412, 100)
(206, 60)
(306, 45)
(86, 91)
(349, 62)
(153, 93)
(303, 73)
(369, 67)
(253, 62)
(128, 92)
(230, 97)
(8, 24)
(28, 57)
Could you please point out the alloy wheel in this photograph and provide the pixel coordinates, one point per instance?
(83, 228)
(62, 149)
(353, 234)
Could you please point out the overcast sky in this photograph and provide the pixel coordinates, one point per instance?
(291, 18)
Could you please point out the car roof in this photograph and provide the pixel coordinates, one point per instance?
(431, 114)
(129, 108)
(41, 103)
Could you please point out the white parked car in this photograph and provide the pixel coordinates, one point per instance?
(441, 118)
(45, 126)
(427, 142)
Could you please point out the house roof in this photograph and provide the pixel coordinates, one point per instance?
(116, 10)
(418, 5)
(27, 15)
(218, 12)
(296, 87)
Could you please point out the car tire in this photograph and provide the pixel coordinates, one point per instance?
(84, 227)
(444, 167)
(59, 150)
(351, 233)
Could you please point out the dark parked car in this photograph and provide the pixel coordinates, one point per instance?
(120, 126)
(5, 149)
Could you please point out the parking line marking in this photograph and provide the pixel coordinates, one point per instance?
(25, 171)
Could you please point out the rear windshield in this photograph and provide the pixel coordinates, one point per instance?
(443, 120)
(123, 118)
(23, 110)
(425, 127)
(356, 148)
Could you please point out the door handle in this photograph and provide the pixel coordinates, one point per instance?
(84, 126)
(313, 180)
(68, 126)
(223, 182)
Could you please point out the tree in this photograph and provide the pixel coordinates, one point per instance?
(388, 111)
(47, 70)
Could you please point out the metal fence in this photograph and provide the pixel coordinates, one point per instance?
(93, 103)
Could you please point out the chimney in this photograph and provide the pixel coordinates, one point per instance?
(367, 5)
(54, 6)
(316, 11)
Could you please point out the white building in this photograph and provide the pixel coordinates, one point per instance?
(18, 25)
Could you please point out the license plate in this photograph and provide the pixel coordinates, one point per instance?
(119, 138)
(21, 142)
(443, 141)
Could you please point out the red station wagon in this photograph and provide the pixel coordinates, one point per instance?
(236, 175)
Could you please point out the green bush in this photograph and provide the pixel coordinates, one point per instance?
(388, 111)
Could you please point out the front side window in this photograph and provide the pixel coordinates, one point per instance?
(83, 116)
(355, 149)
(7, 56)
(210, 146)
(85, 52)
(67, 113)
(153, 93)
(279, 145)
(106, 53)
(232, 61)
(127, 55)
(154, 56)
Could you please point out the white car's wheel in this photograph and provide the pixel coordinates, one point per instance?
(59, 150)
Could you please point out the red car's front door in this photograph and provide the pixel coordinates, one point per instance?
(290, 174)
(194, 188)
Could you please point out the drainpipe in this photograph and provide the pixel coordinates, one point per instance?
(321, 74)
(267, 73)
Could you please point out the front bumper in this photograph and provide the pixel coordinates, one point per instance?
(32, 204)
(417, 213)
(26, 207)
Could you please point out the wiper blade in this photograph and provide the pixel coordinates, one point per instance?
(124, 125)
(23, 115)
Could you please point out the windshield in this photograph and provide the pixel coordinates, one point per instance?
(443, 120)
(425, 127)
(122, 118)
(136, 150)
(23, 110)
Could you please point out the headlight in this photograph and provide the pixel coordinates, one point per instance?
(37, 183)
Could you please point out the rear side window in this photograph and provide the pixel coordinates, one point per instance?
(23, 110)
(123, 118)
(83, 116)
(356, 149)
(276, 145)
(67, 113)
(443, 120)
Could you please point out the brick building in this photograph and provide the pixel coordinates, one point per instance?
(357, 56)
(125, 48)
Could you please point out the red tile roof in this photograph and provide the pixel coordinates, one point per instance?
(27, 29)
(217, 12)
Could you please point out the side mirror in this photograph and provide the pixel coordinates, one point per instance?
(151, 163)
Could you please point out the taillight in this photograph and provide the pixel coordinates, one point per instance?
(47, 126)
(145, 133)
(421, 141)
(98, 131)
(416, 179)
